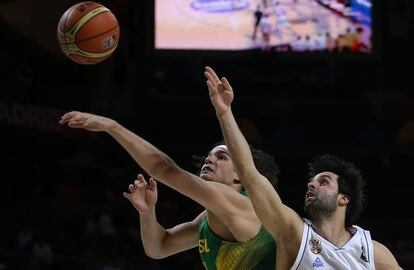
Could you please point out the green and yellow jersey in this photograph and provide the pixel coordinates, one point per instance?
(259, 253)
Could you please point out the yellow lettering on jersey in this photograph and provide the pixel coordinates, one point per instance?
(202, 246)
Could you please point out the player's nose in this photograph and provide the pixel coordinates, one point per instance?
(311, 185)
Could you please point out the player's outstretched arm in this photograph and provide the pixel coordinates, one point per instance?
(384, 260)
(159, 242)
(216, 197)
(276, 217)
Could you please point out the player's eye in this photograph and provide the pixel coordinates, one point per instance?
(323, 181)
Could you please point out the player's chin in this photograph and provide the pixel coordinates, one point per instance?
(205, 176)
(308, 203)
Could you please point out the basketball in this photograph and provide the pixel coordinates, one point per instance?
(88, 33)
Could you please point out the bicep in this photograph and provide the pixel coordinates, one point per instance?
(182, 237)
(384, 260)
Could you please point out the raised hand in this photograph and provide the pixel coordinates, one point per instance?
(142, 195)
(88, 121)
(220, 91)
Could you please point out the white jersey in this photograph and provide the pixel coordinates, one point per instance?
(317, 253)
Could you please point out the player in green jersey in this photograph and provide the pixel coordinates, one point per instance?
(228, 234)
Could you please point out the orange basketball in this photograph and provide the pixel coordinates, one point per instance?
(88, 33)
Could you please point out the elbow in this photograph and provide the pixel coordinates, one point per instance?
(156, 252)
(157, 247)
(155, 255)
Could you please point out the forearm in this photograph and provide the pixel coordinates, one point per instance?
(148, 157)
(264, 197)
(152, 235)
(238, 146)
(160, 166)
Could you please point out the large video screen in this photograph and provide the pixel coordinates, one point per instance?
(268, 25)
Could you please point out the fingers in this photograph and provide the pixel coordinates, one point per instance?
(131, 188)
(74, 119)
(213, 74)
(68, 116)
(127, 195)
(140, 178)
(139, 183)
(65, 117)
(152, 184)
(210, 78)
(226, 83)
(211, 89)
(214, 83)
(76, 124)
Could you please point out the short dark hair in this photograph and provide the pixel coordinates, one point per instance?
(350, 182)
(264, 162)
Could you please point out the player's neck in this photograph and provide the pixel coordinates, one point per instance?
(332, 229)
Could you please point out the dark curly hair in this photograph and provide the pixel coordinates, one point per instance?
(264, 162)
(350, 182)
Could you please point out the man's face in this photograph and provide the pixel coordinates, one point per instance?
(322, 195)
(218, 166)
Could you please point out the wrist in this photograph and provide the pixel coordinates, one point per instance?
(112, 126)
(148, 214)
(224, 113)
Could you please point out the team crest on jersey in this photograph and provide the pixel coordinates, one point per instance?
(315, 245)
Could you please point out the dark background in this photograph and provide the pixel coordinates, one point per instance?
(61, 204)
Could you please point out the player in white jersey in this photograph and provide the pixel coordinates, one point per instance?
(333, 201)
(316, 252)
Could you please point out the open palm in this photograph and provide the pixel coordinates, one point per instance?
(220, 91)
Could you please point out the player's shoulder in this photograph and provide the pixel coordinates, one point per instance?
(379, 248)
(383, 257)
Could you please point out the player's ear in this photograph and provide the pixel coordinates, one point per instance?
(344, 199)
